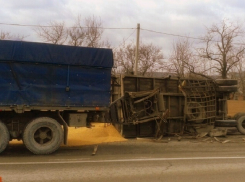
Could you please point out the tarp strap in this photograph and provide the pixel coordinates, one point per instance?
(14, 76)
(68, 78)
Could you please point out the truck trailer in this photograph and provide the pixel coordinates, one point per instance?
(46, 88)
(157, 107)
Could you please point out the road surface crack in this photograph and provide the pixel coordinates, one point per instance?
(161, 177)
(168, 167)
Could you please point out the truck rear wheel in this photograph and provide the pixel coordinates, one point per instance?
(238, 115)
(43, 135)
(241, 124)
(4, 137)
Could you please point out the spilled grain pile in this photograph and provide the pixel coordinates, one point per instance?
(99, 133)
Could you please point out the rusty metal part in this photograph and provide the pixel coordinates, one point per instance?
(200, 105)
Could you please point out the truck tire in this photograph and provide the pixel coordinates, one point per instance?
(226, 82)
(195, 112)
(43, 135)
(238, 115)
(4, 136)
(240, 123)
(227, 89)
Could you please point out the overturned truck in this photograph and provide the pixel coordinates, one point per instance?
(144, 106)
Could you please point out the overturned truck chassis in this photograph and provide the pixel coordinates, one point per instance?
(176, 106)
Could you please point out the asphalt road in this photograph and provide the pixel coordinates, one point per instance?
(134, 160)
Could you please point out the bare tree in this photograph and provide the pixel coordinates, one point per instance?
(238, 72)
(220, 46)
(125, 58)
(9, 36)
(94, 31)
(184, 63)
(181, 57)
(5, 35)
(150, 58)
(87, 32)
(53, 33)
(77, 34)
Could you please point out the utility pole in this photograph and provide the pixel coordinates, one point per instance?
(137, 50)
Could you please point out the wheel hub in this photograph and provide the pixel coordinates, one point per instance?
(43, 135)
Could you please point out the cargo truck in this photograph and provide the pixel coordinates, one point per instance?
(46, 88)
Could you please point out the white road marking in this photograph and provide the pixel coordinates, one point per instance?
(62, 161)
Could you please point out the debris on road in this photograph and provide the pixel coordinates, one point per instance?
(218, 132)
(226, 141)
(95, 150)
(201, 135)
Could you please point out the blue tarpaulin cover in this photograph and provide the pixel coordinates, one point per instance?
(39, 74)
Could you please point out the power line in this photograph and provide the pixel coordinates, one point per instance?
(175, 35)
(21, 25)
(50, 26)
(189, 37)
(114, 28)
(125, 39)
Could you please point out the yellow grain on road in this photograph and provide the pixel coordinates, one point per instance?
(99, 133)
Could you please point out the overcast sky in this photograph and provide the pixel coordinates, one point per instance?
(180, 17)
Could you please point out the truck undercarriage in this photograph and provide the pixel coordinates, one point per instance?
(174, 105)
